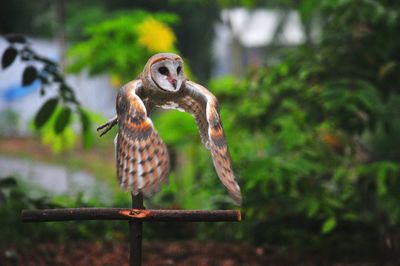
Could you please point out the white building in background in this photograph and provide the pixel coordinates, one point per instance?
(243, 37)
(94, 93)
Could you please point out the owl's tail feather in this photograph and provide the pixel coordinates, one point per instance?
(142, 163)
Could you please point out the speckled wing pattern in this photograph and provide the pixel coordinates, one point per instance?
(198, 111)
(142, 157)
(203, 105)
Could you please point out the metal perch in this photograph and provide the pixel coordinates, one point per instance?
(135, 217)
(57, 215)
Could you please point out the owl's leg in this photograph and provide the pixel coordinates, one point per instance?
(103, 129)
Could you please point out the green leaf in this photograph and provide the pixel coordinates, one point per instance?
(8, 182)
(86, 133)
(88, 139)
(62, 120)
(85, 121)
(45, 112)
(313, 207)
(328, 225)
(8, 57)
(29, 75)
(381, 180)
(15, 38)
(67, 93)
(306, 8)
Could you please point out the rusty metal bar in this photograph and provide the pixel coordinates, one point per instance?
(53, 215)
(136, 231)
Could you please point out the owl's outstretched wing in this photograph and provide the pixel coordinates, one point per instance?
(142, 157)
(203, 105)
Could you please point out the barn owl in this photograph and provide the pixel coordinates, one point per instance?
(142, 157)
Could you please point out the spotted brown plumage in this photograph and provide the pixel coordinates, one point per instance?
(142, 157)
(216, 138)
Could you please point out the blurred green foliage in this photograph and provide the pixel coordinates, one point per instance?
(122, 45)
(62, 108)
(314, 139)
(16, 196)
(66, 139)
(194, 29)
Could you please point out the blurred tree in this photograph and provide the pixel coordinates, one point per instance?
(314, 138)
(122, 45)
(342, 92)
(194, 31)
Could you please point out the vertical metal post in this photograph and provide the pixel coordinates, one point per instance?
(135, 231)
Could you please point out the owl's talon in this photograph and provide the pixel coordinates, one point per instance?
(107, 126)
(101, 127)
(105, 131)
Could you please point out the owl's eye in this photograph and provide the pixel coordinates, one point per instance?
(163, 70)
(178, 70)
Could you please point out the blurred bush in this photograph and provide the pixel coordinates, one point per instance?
(122, 45)
(16, 196)
(315, 138)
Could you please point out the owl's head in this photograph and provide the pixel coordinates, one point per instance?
(165, 71)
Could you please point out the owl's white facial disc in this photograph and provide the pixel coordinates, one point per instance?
(167, 74)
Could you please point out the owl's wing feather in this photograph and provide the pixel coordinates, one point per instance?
(203, 105)
(142, 157)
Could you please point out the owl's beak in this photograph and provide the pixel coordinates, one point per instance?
(172, 81)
